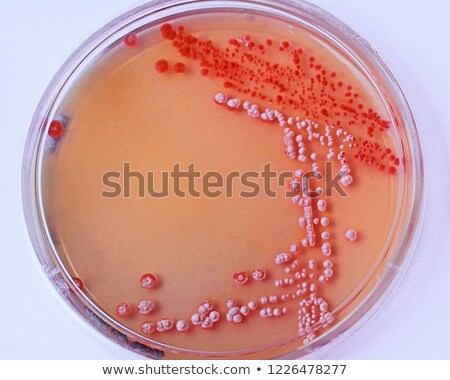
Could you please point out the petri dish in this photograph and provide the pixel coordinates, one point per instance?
(223, 179)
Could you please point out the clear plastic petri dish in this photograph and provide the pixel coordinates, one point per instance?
(223, 179)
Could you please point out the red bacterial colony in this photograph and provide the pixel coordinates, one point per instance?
(56, 129)
(149, 280)
(131, 40)
(161, 66)
(240, 278)
(78, 282)
(179, 67)
(123, 310)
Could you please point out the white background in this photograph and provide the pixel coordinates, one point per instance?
(412, 36)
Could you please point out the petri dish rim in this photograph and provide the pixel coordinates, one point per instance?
(409, 213)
